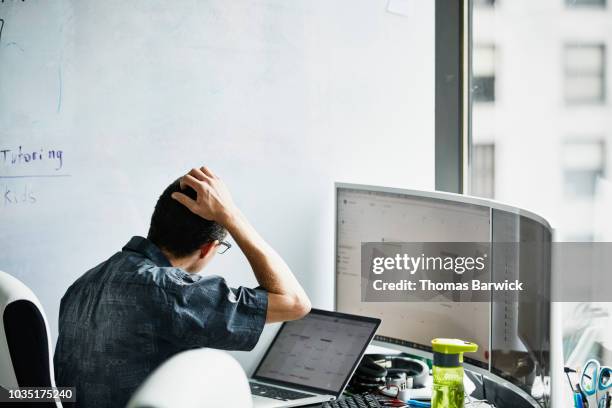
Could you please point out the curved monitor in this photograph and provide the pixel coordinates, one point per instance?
(513, 336)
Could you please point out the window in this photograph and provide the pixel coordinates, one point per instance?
(483, 81)
(483, 170)
(583, 164)
(585, 3)
(584, 73)
(549, 158)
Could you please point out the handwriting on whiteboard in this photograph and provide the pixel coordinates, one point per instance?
(21, 158)
(17, 194)
(22, 171)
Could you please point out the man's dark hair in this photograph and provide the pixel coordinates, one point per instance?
(176, 229)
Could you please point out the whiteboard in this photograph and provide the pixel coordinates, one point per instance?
(109, 101)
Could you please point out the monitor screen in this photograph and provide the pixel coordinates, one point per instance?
(320, 351)
(385, 216)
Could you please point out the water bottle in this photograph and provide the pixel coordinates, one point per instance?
(448, 372)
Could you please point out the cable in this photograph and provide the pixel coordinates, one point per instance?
(568, 370)
(381, 392)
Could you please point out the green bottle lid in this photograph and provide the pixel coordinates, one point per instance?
(449, 352)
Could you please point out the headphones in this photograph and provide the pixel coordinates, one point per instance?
(376, 370)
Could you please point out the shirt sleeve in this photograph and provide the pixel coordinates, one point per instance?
(206, 312)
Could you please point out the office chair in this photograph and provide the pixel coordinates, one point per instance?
(25, 350)
(195, 379)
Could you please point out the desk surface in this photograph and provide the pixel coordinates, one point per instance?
(469, 385)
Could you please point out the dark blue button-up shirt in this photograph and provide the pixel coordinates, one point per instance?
(124, 317)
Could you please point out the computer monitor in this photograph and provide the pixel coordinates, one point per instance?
(520, 339)
(377, 214)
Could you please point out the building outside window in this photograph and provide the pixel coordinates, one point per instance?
(549, 136)
(583, 165)
(585, 3)
(484, 3)
(483, 80)
(584, 70)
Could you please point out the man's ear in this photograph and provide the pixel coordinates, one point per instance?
(207, 248)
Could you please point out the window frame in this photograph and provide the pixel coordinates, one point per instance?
(452, 97)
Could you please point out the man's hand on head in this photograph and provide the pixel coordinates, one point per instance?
(213, 202)
(286, 298)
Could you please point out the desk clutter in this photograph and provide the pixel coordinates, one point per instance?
(400, 371)
(381, 401)
(392, 380)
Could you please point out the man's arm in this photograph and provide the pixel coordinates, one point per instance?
(286, 298)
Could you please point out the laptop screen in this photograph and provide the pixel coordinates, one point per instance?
(320, 351)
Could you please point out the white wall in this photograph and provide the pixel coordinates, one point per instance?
(280, 98)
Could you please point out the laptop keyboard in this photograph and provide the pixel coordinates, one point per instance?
(282, 394)
(355, 401)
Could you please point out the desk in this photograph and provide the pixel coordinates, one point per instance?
(503, 394)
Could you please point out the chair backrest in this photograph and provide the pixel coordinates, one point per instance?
(195, 379)
(25, 349)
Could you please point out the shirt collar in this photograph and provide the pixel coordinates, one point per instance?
(148, 249)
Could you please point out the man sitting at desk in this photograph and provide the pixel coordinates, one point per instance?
(124, 317)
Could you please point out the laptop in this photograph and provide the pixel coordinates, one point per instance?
(311, 360)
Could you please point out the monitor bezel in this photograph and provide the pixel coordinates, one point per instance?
(317, 390)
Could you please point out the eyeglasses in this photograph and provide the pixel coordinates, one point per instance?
(223, 247)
